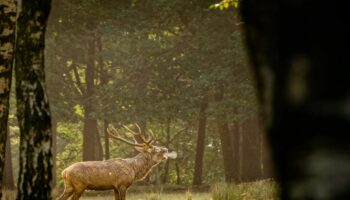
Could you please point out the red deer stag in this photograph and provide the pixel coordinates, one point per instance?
(117, 174)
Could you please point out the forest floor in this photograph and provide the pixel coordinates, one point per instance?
(163, 196)
(260, 190)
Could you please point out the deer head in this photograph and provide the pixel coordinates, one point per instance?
(146, 146)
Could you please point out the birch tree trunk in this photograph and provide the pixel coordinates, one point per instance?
(8, 182)
(35, 175)
(8, 10)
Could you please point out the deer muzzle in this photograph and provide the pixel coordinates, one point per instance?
(171, 155)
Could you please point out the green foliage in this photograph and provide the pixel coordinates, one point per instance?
(225, 4)
(161, 58)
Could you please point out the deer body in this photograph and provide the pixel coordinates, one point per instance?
(109, 174)
(117, 174)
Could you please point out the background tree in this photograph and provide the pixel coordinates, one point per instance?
(154, 61)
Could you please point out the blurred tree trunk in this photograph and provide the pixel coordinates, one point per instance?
(92, 147)
(251, 150)
(198, 166)
(240, 152)
(167, 144)
(226, 138)
(178, 175)
(103, 82)
(302, 71)
(107, 152)
(8, 10)
(235, 149)
(8, 172)
(54, 151)
(35, 170)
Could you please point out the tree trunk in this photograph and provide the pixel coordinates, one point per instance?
(92, 148)
(240, 152)
(104, 82)
(251, 151)
(35, 170)
(178, 175)
(302, 70)
(107, 152)
(8, 172)
(226, 138)
(235, 133)
(198, 167)
(54, 151)
(167, 143)
(8, 10)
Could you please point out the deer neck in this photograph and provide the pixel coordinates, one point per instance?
(142, 164)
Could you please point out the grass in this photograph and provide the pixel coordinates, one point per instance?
(155, 196)
(260, 190)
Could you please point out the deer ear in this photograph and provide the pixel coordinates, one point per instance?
(139, 149)
(144, 149)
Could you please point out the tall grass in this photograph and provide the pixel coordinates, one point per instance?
(260, 190)
(224, 191)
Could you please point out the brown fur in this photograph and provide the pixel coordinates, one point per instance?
(117, 174)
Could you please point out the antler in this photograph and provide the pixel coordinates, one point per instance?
(140, 135)
(112, 132)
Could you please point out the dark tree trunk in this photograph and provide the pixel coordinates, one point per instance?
(93, 152)
(104, 81)
(8, 172)
(302, 69)
(198, 166)
(235, 150)
(107, 152)
(167, 143)
(251, 151)
(8, 10)
(178, 175)
(226, 138)
(92, 148)
(35, 175)
(54, 151)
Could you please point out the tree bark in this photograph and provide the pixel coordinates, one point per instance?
(92, 147)
(235, 133)
(54, 151)
(8, 172)
(226, 138)
(178, 175)
(8, 11)
(167, 143)
(251, 151)
(104, 82)
(107, 152)
(35, 170)
(198, 166)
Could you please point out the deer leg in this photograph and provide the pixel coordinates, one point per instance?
(66, 194)
(68, 191)
(122, 193)
(77, 194)
(116, 194)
